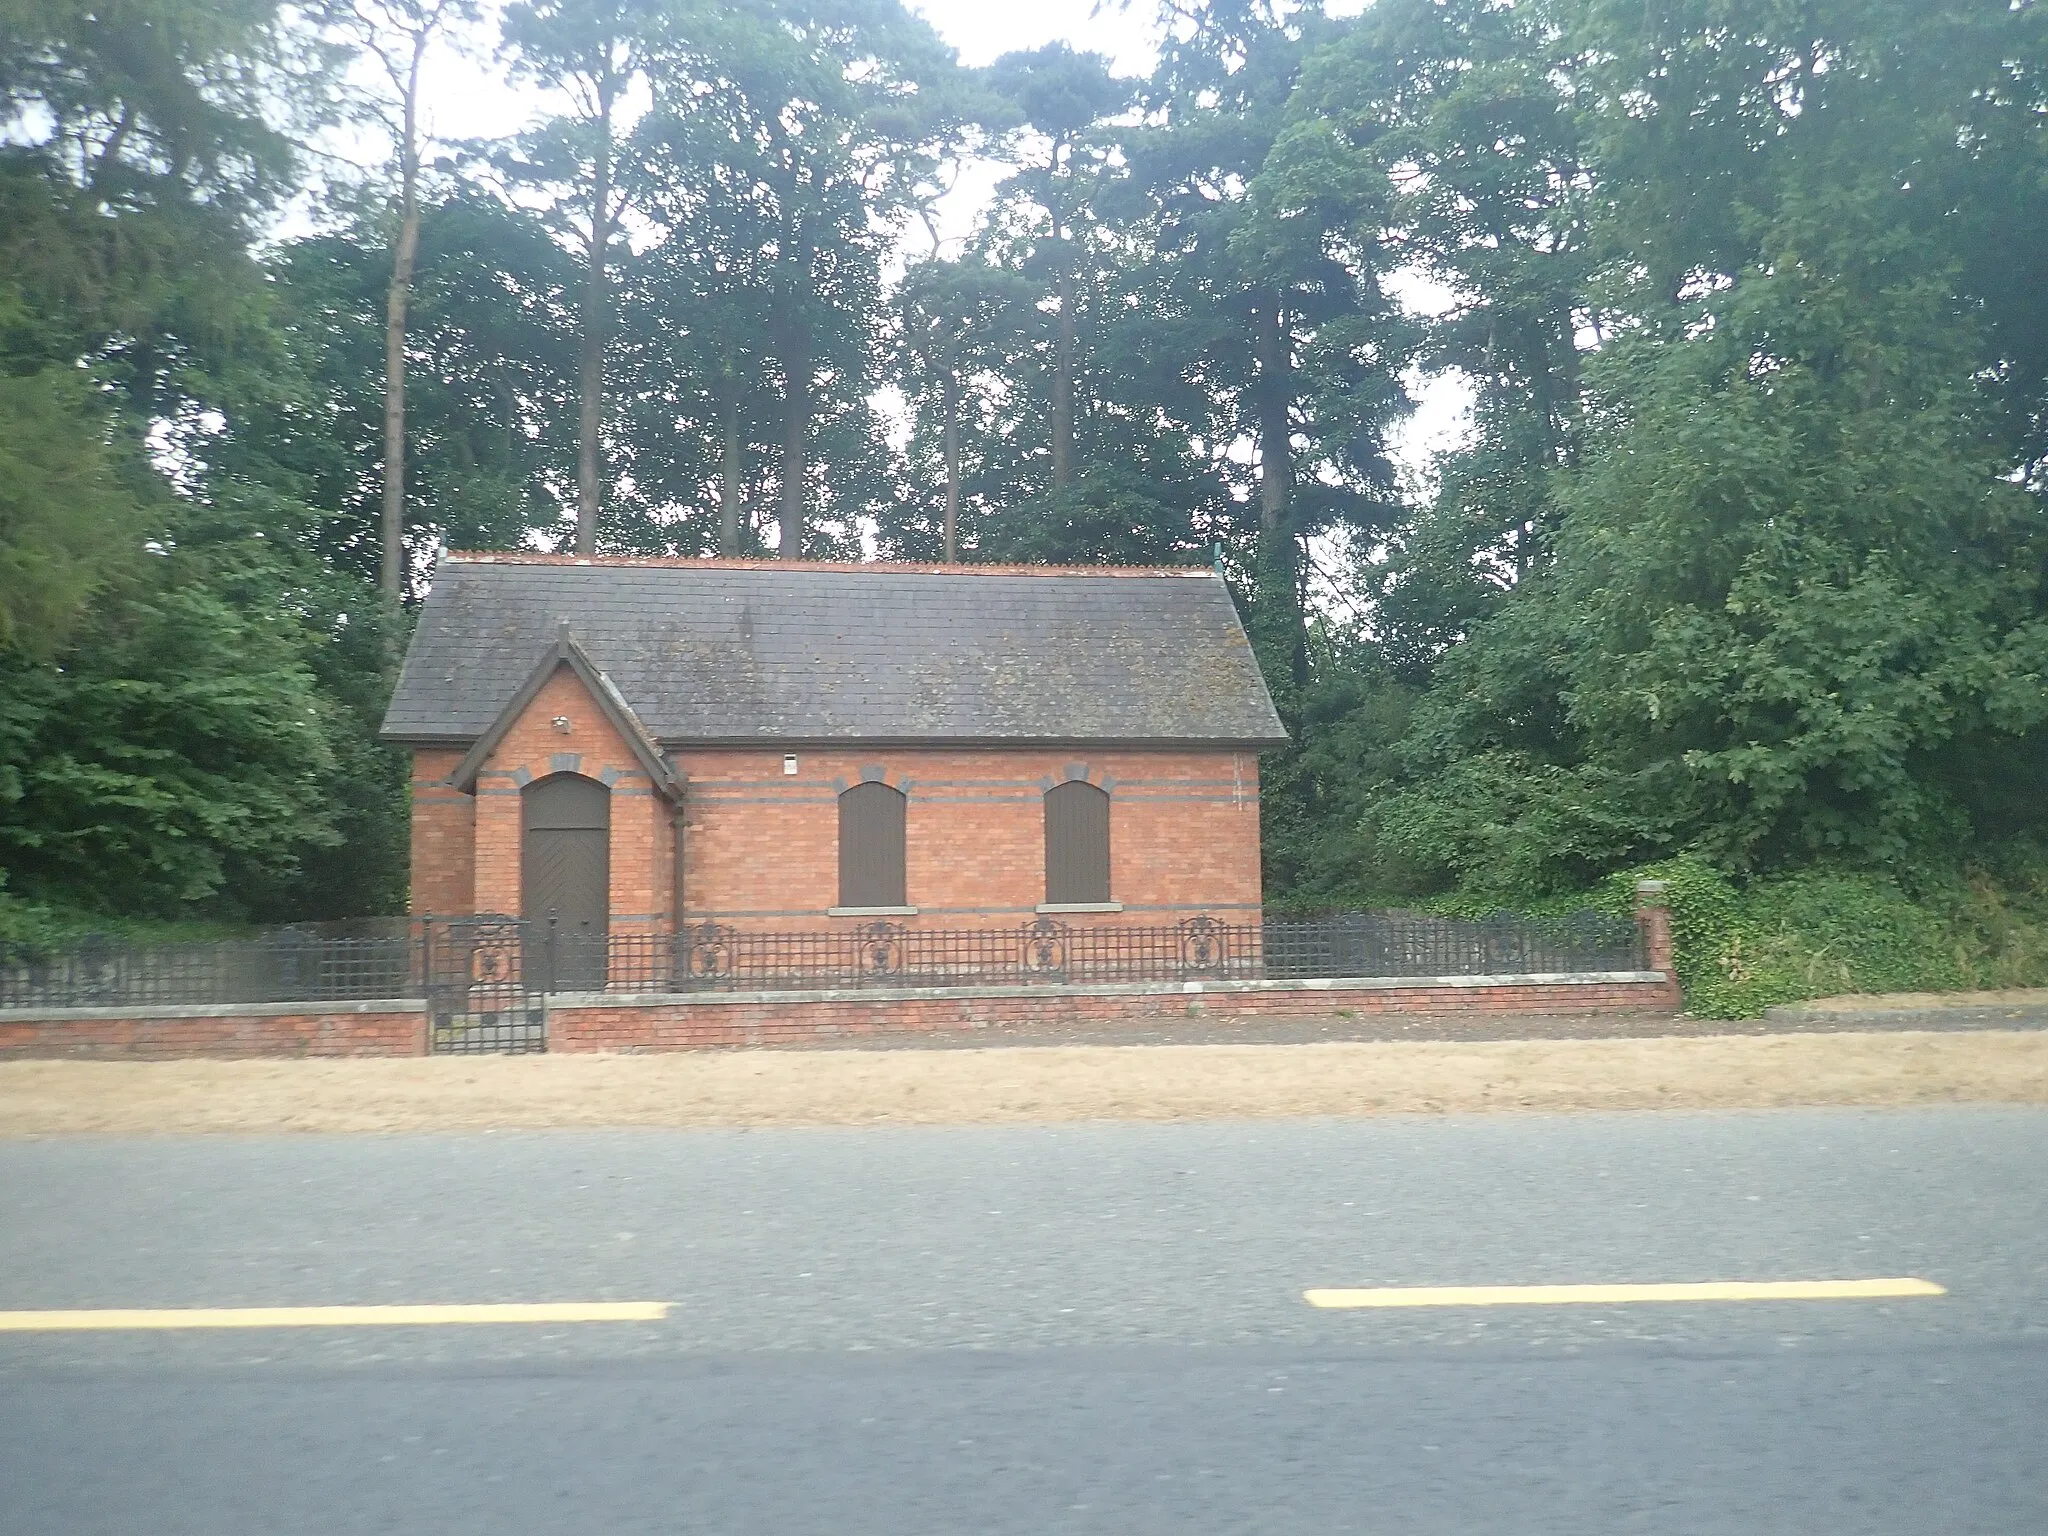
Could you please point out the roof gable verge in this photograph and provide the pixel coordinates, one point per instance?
(566, 651)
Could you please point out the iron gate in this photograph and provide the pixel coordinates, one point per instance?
(478, 1002)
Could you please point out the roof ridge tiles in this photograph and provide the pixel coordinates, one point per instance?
(895, 567)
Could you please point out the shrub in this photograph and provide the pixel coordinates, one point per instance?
(1813, 933)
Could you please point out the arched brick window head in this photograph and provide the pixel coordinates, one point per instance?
(1076, 844)
(871, 847)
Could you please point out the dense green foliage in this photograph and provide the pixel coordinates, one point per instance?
(1739, 574)
(1789, 590)
(1828, 930)
(188, 681)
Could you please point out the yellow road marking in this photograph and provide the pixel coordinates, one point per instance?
(1566, 1295)
(333, 1317)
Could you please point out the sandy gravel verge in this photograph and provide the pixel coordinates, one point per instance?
(1173, 1082)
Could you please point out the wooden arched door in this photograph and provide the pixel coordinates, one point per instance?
(565, 879)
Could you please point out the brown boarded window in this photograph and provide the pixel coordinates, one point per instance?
(871, 847)
(1076, 843)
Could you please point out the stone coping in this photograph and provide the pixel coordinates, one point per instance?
(1103, 989)
(710, 999)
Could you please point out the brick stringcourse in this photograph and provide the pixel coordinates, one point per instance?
(697, 1021)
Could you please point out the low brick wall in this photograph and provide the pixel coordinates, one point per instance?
(607, 1022)
(390, 1027)
(597, 1022)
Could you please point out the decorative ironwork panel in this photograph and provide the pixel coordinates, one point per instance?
(707, 953)
(1045, 950)
(880, 950)
(478, 1001)
(1204, 946)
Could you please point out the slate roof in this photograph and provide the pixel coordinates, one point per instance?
(709, 652)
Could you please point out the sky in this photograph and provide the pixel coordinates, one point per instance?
(983, 30)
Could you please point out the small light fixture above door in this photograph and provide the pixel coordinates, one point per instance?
(563, 724)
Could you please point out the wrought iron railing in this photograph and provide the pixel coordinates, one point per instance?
(719, 957)
(287, 966)
(486, 957)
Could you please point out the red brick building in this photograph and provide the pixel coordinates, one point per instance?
(630, 745)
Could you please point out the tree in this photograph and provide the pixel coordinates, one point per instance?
(179, 756)
(1448, 118)
(1262, 333)
(696, 365)
(1269, 296)
(957, 316)
(804, 132)
(170, 729)
(140, 156)
(1798, 577)
(590, 50)
(492, 354)
(71, 514)
(399, 34)
(1064, 100)
(1039, 396)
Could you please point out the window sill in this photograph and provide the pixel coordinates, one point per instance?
(871, 911)
(1080, 906)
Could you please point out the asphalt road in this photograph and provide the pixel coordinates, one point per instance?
(1071, 1329)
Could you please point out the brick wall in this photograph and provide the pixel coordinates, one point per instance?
(335, 1029)
(762, 846)
(443, 837)
(705, 1021)
(668, 1024)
